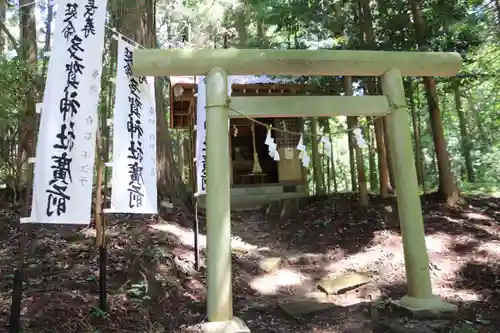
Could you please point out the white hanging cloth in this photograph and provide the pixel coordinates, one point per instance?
(134, 140)
(64, 162)
(303, 152)
(358, 136)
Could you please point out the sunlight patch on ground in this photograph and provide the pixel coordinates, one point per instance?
(443, 243)
(89, 232)
(487, 250)
(439, 242)
(464, 295)
(4, 253)
(477, 216)
(490, 230)
(345, 300)
(270, 284)
(375, 257)
(186, 237)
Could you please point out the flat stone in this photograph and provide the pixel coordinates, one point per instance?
(431, 307)
(270, 264)
(234, 325)
(343, 283)
(305, 259)
(463, 328)
(315, 302)
(400, 326)
(414, 326)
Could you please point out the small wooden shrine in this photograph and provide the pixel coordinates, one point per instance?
(278, 179)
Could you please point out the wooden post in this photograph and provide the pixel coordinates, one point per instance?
(219, 301)
(26, 231)
(100, 220)
(420, 295)
(220, 295)
(172, 62)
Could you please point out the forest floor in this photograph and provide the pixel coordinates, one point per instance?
(153, 288)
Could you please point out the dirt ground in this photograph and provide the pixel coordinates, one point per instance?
(153, 288)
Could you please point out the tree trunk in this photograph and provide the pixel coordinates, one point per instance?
(334, 171)
(367, 24)
(478, 122)
(28, 53)
(3, 10)
(384, 182)
(466, 143)
(381, 148)
(352, 122)
(46, 47)
(383, 143)
(448, 189)
(390, 166)
(325, 125)
(352, 156)
(372, 166)
(418, 106)
(497, 10)
(416, 132)
(240, 23)
(360, 168)
(316, 159)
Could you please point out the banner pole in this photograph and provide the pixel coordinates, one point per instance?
(196, 228)
(100, 223)
(25, 230)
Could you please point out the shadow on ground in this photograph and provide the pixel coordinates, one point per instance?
(153, 287)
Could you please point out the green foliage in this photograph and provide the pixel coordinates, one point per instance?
(14, 89)
(469, 27)
(462, 26)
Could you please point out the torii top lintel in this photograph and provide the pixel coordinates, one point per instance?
(178, 62)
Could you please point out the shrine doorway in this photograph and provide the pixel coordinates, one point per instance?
(243, 142)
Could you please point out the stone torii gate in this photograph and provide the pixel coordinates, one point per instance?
(218, 64)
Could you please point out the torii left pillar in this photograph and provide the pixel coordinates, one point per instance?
(220, 302)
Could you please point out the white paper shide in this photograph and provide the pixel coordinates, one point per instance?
(64, 163)
(134, 140)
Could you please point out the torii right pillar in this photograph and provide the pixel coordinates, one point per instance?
(420, 297)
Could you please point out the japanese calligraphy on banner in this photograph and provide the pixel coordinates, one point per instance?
(201, 134)
(64, 163)
(201, 138)
(134, 140)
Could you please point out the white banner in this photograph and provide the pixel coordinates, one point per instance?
(134, 140)
(201, 138)
(64, 163)
(201, 133)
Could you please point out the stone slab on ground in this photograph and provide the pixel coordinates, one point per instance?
(343, 283)
(433, 307)
(403, 325)
(306, 259)
(235, 325)
(270, 264)
(308, 304)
